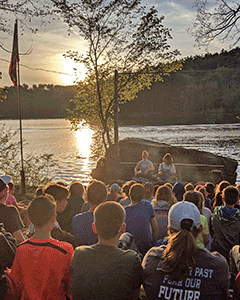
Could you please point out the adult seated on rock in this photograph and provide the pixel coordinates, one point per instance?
(144, 167)
(103, 271)
(9, 215)
(181, 270)
(166, 169)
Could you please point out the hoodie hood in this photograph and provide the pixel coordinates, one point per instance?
(178, 190)
(161, 204)
(227, 214)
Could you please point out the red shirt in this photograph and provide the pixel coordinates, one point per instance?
(42, 270)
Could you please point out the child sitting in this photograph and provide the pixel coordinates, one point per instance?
(226, 223)
(74, 206)
(196, 198)
(114, 192)
(59, 194)
(42, 265)
(148, 192)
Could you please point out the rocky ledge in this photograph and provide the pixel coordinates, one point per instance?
(192, 165)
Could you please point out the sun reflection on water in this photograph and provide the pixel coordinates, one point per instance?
(84, 140)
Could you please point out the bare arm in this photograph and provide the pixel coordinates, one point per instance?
(137, 167)
(18, 236)
(151, 167)
(154, 225)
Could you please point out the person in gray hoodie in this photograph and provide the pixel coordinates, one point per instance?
(226, 223)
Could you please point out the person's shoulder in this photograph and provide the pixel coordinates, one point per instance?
(203, 218)
(214, 256)
(145, 203)
(153, 255)
(83, 250)
(10, 209)
(63, 247)
(62, 244)
(83, 215)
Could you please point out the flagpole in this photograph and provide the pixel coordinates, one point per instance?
(20, 127)
(14, 73)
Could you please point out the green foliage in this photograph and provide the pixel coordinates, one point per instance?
(37, 168)
(120, 35)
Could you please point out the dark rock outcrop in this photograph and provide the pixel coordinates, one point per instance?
(192, 165)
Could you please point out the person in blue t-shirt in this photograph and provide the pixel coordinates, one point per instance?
(141, 219)
(82, 223)
(144, 167)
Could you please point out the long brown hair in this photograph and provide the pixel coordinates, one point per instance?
(164, 193)
(168, 158)
(181, 251)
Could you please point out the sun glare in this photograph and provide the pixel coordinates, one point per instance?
(84, 140)
(73, 71)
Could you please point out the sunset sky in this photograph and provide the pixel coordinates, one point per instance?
(52, 41)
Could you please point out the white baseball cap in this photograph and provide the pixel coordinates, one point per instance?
(181, 211)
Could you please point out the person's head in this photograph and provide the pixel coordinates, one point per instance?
(11, 187)
(165, 193)
(198, 187)
(39, 191)
(145, 155)
(148, 189)
(210, 187)
(203, 191)
(178, 190)
(136, 192)
(189, 187)
(96, 192)
(109, 220)
(76, 188)
(184, 225)
(41, 211)
(126, 187)
(59, 193)
(169, 185)
(4, 189)
(230, 195)
(195, 198)
(221, 186)
(167, 159)
(115, 188)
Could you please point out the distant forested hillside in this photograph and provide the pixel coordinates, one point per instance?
(38, 102)
(207, 90)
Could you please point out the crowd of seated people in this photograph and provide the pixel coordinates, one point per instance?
(185, 236)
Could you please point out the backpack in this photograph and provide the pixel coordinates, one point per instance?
(8, 245)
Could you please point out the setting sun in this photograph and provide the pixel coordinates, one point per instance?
(73, 71)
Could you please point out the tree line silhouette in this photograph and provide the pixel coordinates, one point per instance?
(206, 90)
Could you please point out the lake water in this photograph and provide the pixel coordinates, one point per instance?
(72, 148)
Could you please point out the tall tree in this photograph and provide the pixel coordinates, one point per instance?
(120, 35)
(25, 12)
(220, 21)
